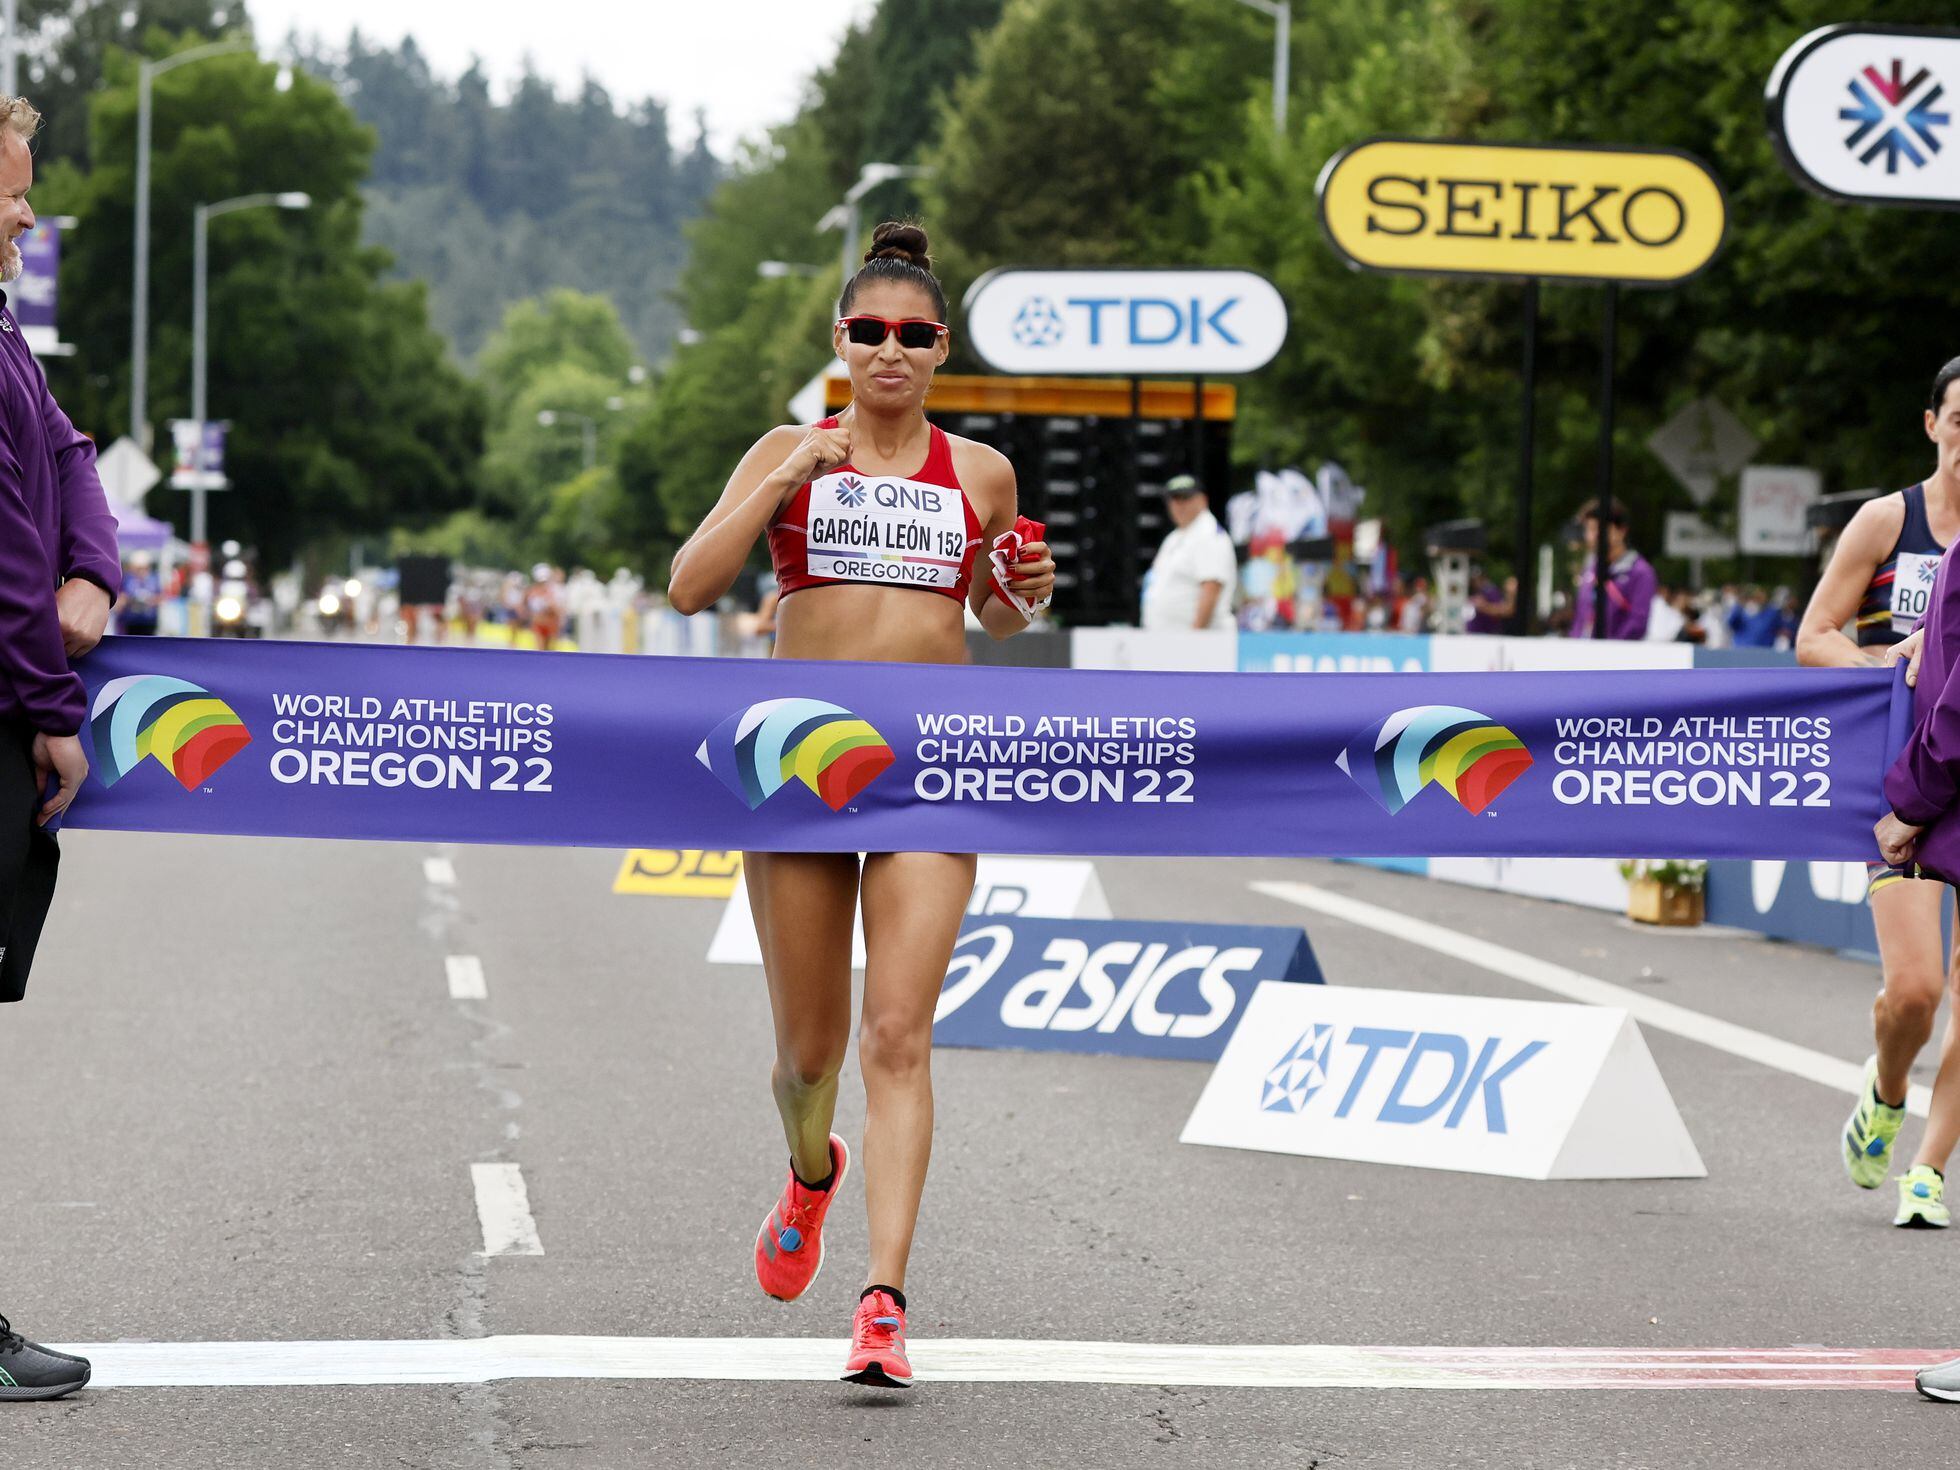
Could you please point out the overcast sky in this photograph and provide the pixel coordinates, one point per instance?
(744, 61)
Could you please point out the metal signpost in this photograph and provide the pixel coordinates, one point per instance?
(1530, 212)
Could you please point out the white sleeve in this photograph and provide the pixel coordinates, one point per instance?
(1216, 561)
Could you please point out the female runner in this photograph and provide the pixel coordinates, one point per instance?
(803, 487)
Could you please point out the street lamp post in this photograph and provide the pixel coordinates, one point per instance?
(1282, 13)
(844, 216)
(200, 354)
(139, 329)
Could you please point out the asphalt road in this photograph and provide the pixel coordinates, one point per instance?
(244, 1107)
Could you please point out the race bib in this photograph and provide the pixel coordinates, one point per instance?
(1912, 589)
(866, 528)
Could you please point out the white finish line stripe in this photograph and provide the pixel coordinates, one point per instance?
(466, 977)
(503, 1205)
(1755, 1046)
(1198, 1365)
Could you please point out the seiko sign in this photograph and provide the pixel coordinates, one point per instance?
(1865, 113)
(1642, 216)
(1125, 323)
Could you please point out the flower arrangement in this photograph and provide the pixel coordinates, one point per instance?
(1686, 873)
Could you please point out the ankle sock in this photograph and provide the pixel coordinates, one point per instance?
(821, 1187)
(892, 1291)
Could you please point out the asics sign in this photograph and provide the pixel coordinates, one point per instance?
(1125, 323)
(1526, 1088)
(1138, 989)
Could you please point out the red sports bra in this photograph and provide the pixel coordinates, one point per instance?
(890, 530)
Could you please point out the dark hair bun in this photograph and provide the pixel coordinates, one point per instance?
(896, 240)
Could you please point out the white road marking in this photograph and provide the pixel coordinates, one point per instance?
(503, 1205)
(466, 977)
(439, 870)
(1755, 1046)
(980, 1360)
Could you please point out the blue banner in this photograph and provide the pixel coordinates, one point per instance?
(465, 745)
(1111, 985)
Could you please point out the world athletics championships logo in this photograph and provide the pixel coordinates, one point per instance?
(1898, 111)
(824, 746)
(1461, 750)
(189, 730)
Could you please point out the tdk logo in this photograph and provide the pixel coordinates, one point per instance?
(1477, 1071)
(1139, 321)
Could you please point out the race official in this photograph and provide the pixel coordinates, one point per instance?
(1190, 582)
(59, 575)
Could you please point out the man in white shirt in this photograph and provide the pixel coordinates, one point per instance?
(1190, 582)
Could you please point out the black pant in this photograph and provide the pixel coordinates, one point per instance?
(29, 857)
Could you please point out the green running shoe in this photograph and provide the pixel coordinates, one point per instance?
(1922, 1203)
(1869, 1132)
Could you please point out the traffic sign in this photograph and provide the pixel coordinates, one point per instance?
(127, 473)
(1774, 499)
(1701, 443)
(1693, 539)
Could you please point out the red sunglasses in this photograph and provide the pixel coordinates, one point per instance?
(914, 332)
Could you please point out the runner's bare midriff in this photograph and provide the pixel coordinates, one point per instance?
(872, 624)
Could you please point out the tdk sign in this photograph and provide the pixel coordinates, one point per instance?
(1110, 985)
(1125, 323)
(1533, 1089)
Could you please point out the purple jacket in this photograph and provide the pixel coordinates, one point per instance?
(1922, 784)
(1629, 598)
(54, 524)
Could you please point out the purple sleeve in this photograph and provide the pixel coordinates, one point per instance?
(88, 530)
(1921, 786)
(1642, 583)
(32, 656)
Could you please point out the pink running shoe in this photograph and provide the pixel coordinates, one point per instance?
(878, 1344)
(789, 1248)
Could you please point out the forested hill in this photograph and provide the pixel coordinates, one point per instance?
(491, 202)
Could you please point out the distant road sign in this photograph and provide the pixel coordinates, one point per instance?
(1702, 442)
(1690, 537)
(1641, 216)
(1775, 499)
(1864, 114)
(127, 473)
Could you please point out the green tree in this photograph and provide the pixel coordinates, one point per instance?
(65, 45)
(561, 329)
(346, 414)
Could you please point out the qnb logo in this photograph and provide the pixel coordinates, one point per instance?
(850, 492)
(1894, 117)
(1038, 323)
(1421, 1091)
(1460, 750)
(187, 729)
(764, 747)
